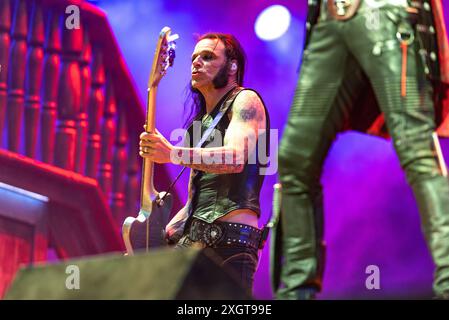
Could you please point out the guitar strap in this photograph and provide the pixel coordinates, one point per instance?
(223, 109)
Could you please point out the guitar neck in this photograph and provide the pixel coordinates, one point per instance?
(148, 192)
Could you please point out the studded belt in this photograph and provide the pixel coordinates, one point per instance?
(221, 233)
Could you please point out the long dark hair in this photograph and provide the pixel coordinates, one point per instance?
(195, 103)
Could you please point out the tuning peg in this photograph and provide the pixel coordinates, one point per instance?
(171, 56)
(172, 38)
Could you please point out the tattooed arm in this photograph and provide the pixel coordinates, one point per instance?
(247, 118)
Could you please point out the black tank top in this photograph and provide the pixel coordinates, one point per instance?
(215, 195)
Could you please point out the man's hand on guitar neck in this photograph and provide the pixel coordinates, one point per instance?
(155, 147)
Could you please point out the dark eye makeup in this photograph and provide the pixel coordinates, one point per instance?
(206, 56)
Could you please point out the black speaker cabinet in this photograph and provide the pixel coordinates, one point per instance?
(162, 274)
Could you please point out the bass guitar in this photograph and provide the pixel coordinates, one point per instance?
(147, 229)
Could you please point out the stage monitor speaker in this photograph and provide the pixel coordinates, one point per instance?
(161, 274)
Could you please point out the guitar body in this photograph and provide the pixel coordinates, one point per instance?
(147, 230)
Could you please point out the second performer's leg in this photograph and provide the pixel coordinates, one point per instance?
(410, 121)
(329, 78)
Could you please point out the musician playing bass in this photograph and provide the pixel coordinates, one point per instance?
(223, 208)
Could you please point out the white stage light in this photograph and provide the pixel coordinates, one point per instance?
(272, 22)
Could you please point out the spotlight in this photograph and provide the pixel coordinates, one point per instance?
(272, 22)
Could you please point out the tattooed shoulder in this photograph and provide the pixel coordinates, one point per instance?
(248, 113)
(249, 107)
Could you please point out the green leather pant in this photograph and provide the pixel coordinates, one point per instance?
(338, 60)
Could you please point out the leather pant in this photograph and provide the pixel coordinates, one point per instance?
(339, 60)
(239, 260)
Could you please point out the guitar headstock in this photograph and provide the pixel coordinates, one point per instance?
(163, 57)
